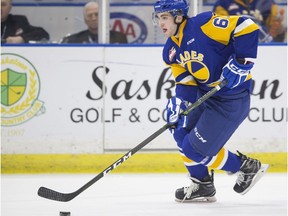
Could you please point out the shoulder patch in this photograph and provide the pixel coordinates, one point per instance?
(219, 28)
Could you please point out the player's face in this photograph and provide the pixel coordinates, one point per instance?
(166, 23)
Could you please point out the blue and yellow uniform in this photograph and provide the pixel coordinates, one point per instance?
(196, 57)
(268, 9)
(204, 46)
(263, 12)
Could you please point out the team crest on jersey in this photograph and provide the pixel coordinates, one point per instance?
(193, 62)
(198, 70)
(20, 88)
(172, 53)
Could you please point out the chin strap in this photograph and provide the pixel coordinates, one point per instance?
(178, 24)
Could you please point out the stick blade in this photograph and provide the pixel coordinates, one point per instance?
(54, 195)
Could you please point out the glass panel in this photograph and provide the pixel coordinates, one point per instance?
(130, 21)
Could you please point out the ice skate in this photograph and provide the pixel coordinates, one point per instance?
(250, 172)
(198, 191)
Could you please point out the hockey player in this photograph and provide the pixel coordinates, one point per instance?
(202, 51)
(264, 12)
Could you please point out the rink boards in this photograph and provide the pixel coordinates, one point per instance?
(86, 101)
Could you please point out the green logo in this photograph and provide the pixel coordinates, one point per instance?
(20, 88)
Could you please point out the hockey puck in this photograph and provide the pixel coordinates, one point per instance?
(65, 213)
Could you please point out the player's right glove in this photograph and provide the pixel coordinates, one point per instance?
(235, 73)
(174, 107)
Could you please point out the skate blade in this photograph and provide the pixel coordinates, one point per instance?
(257, 177)
(198, 200)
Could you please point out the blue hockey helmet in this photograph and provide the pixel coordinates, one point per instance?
(175, 7)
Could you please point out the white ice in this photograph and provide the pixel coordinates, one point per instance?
(139, 195)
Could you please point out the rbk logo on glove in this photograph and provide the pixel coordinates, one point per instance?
(236, 69)
(235, 73)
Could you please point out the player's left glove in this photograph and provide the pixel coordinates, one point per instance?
(235, 72)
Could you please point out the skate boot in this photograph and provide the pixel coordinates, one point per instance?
(250, 172)
(197, 191)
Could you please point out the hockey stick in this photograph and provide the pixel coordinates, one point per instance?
(65, 197)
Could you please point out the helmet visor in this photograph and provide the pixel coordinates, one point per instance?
(174, 13)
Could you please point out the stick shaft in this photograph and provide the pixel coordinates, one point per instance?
(65, 197)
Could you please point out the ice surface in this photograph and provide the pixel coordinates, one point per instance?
(139, 195)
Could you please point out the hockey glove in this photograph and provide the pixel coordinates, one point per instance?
(235, 73)
(177, 128)
(174, 107)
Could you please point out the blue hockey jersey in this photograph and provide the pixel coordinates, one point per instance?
(204, 46)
